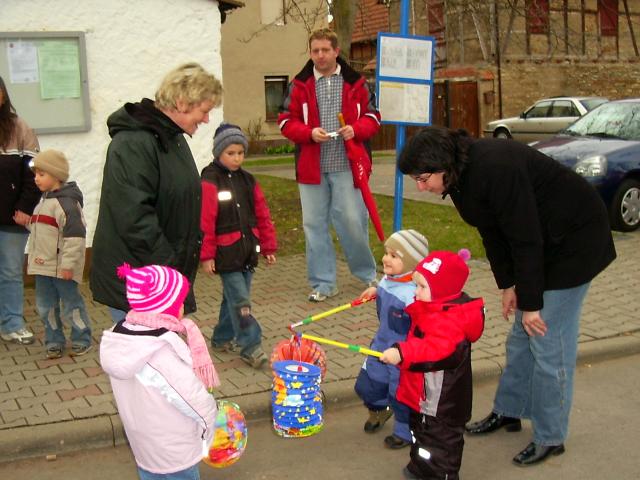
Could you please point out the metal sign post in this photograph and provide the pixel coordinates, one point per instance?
(404, 85)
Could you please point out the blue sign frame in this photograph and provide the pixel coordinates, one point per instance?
(406, 81)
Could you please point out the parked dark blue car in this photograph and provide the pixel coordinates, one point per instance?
(604, 147)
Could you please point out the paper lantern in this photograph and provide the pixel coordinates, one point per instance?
(300, 350)
(230, 438)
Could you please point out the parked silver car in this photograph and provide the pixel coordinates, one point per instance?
(543, 119)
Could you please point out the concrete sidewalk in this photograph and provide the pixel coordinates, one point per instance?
(53, 406)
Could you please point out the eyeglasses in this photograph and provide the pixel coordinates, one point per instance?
(422, 178)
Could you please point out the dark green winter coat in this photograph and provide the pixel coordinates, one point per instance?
(150, 202)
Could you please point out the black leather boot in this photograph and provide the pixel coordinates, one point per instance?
(534, 453)
(492, 423)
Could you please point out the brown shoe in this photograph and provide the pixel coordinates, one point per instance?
(54, 351)
(226, 347)
(393, 442)
(257, 359)
(377, 419)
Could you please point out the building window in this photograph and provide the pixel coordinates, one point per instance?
(608, 16)
(537, 16)
(275, 88)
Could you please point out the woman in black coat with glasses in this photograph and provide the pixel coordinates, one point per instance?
(547, 235)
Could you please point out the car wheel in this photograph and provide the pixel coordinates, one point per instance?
(625, 207)
(501, 133)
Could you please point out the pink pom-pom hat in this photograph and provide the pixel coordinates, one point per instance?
(155, 288)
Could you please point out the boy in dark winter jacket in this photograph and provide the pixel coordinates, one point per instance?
(237, 227)
(377, 383)
(435, 365)
(56, 255)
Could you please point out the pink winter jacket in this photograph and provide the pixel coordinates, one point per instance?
(166, 411)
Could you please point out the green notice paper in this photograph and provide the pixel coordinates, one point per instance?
(59, 69)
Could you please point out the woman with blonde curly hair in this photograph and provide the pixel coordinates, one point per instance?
(18, 196)
(150, 205)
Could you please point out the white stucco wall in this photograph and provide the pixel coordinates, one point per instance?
(131, 45)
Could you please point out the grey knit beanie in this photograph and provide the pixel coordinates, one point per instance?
(53, 162)
(228, 134)
(410, 246)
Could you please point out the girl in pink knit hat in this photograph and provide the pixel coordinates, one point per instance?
(159, 381)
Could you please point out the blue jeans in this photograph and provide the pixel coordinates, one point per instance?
(12, 244)
(50, 293)
(117, 315)
(191, 473)
(537, 382)
(338, 202)
(236, 321)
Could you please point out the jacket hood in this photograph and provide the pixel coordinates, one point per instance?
(468, 315)
(69, 189)
(123, 356)
(144, 116)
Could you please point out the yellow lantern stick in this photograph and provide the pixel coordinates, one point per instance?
(353, 348)
(346, 306)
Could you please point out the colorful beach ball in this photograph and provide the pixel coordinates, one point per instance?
(230, 437)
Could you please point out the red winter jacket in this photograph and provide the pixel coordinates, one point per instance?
(232, 206)
(435, 371)
(300, 116)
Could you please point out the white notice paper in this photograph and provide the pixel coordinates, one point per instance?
(23, 62)
(407, 58)
(405, 102)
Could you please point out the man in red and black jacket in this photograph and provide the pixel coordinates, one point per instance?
(325, 87)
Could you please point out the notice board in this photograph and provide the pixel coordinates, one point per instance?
(404, 78)
(46, 76)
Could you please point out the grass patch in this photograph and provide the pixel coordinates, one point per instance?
(441, 224)
(251, 162)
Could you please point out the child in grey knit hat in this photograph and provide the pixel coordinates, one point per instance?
(377, 383)
(237, 229)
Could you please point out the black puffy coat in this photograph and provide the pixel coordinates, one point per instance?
(150, 202)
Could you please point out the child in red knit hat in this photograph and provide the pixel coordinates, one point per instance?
(435, 364)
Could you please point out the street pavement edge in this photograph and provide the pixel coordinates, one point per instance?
(54, 439)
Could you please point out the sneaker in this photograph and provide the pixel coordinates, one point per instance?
(79, 350)
(317, 296)
(54, 351)
(23, 336)
(377, 419)
(372, 283)
(257, 359)
(226, 347)
(393, 442)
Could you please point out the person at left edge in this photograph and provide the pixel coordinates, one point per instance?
(151, 198)
(18, 197)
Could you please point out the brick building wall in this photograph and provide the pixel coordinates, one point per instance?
(522, 82)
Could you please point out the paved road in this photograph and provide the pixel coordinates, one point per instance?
(602, 444)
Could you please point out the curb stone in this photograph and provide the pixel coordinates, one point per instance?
(108, 431)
